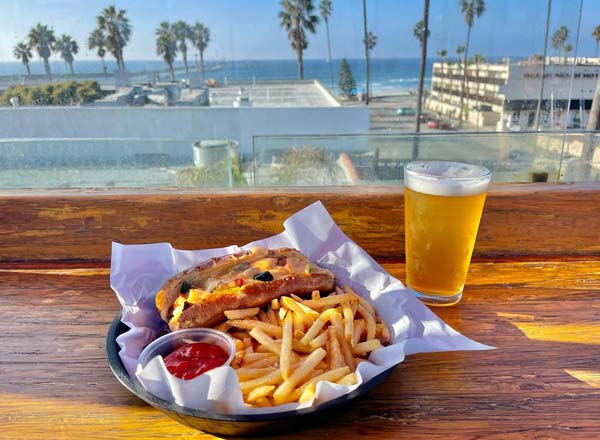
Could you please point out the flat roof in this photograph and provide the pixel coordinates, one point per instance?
(274, 94)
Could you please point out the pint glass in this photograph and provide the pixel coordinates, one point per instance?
(443, 202)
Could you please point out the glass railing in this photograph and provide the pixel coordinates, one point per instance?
(126, 162)
(285, 161)
(379, 158)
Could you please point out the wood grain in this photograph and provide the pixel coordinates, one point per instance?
(56, 382)
(529, 220)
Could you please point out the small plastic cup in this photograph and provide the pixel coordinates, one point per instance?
(170, 342)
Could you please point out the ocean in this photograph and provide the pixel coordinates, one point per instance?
(387, 75)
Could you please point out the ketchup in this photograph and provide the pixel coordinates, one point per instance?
(191, 360)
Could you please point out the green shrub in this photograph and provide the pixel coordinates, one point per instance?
(62, 94)
(214, 176)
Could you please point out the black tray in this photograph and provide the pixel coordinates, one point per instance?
(226, 424)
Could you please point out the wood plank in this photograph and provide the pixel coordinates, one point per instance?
(541, 382)
(547, 220)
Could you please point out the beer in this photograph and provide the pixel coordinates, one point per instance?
(443, 202)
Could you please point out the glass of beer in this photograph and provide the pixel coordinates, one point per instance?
(443, 202)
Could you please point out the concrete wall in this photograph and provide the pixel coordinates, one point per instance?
(179, 124)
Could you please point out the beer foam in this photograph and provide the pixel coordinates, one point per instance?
(442, 178)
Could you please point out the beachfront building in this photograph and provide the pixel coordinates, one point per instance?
(505, 95)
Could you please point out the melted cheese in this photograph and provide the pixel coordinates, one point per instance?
(246, 271)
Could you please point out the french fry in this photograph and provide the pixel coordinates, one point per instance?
(315, 294)
(223, 327)
(247, 341)
(336, 321)
(245, 373)
(296, 297)
(307, 314)
(272, 317)
(385, 335)
(330, 376)
(262, 363)
(317, 325)
(264, 339)
(275, 304)
(329, 301)
(259, 392)
(273, 378)
(239, 345)
(238, 334)
(349, 379)
(248, 350)
(246, 324)
(262, 316)
(298, 322)
(253, 357)
(367, 346)
(361, 300)
(334, 354)
(371, 326)
(320, 340)
(348, 322)
(284, 390)
(263, 402)
(285, 357)
(308, 394)
(359, 328)
(242, 313)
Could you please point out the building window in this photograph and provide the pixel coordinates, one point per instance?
(531, 119)
(514, 120)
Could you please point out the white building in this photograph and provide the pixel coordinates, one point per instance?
(505, 95)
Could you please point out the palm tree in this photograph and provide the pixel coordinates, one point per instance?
(421, 33)
(568, 49)
(67, 47)
(442, 54)
(296, 18)
(42, 39)
(326, 8)
(166, 45)
(183, 32)
(539, 103)
(97, 40)
(22, 52)
(470, 9)
(370, 42)
(459, 51)
(559, 37)
(117, 29)
(201, 38)
(596, 35)
(367, 63)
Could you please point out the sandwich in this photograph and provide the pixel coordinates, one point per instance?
(199, 296)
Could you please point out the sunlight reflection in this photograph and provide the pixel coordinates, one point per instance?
(592, 378)
(577, 332)
(71, 272)
(587, 333)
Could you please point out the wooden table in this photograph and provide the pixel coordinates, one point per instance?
(535, 296)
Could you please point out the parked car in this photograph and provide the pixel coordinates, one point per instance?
(433, 124)
(406, 111)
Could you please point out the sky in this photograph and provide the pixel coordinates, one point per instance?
(249, 29)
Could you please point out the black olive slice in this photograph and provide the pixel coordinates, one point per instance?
(185, 288)
(264, 276)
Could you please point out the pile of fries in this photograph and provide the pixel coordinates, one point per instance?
(284, 351)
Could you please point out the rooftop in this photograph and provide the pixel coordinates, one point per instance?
(274, 94)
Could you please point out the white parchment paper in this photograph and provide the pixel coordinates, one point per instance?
(138, 271)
